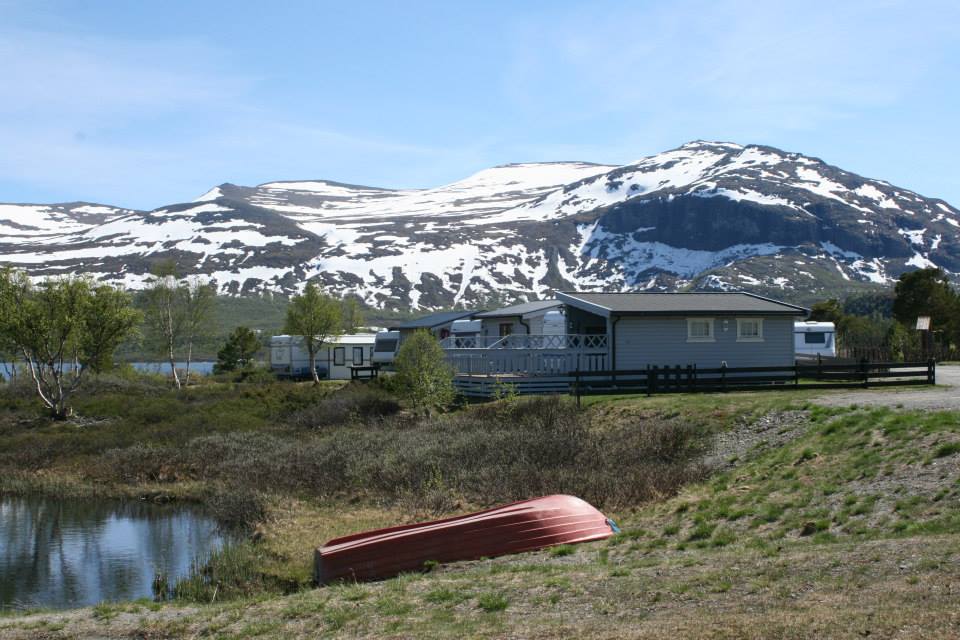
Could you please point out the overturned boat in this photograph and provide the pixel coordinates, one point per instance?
(522, 526)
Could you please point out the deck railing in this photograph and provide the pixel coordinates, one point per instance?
(525, 362)
(526, 341)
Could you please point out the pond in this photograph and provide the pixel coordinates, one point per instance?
(74, 553)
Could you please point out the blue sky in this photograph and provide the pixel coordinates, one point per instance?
(146, 103)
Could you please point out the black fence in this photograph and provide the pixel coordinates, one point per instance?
(692, 379)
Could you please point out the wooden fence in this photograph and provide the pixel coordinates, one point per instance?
(691, 379)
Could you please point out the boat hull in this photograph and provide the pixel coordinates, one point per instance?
(522, 526)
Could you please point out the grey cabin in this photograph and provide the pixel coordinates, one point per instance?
(630, 331)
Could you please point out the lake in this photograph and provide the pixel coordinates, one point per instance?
(73, 553)
(202, 368)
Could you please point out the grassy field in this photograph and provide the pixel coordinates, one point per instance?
(781, 518)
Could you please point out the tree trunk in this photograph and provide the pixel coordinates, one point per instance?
(313, 366)
(169, 330)
(186, 377)
(173, 367)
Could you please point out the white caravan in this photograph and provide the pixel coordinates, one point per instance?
(289, 358)
(385, 347)
(812, 339)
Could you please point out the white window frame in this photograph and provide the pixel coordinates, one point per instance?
(710, 323)
(756, 338)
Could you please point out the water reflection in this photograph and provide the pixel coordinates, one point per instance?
(73, 553)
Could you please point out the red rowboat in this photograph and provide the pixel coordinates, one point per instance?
(513, 528)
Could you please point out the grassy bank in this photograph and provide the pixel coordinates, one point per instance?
(294, 465)
(839, 522)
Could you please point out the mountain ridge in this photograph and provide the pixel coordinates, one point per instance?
(706, 215)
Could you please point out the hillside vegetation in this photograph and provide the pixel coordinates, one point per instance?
(743, 515)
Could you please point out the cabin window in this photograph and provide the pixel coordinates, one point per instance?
(700, 330)
(339, 356)
(358, 355)
(506, 328)
(749, 329)
(815, 337)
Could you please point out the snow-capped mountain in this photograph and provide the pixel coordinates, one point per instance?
(707, 215)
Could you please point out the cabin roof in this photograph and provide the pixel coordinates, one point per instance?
(519, 309)
(681, 303)
(350, 338)
(433, 320)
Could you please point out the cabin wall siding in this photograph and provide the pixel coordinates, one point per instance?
(663, 341)
(536, 325)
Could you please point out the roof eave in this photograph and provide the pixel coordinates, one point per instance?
(709, 312)
(579, 303)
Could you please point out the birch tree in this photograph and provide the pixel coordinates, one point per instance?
(352, 315)
(63, 328)
(198, 303)
(164, 317)
(178, 312)
(317, 317)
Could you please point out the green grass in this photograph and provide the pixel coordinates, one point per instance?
(562, 550)
(851, 476)
(492, 602)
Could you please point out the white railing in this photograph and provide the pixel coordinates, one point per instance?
(531, 362)
(526, 342)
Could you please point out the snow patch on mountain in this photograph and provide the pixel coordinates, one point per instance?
(518, 230)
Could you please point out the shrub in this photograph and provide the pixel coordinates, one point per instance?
(485, 454)
(358, 402)
(236, 507)
(423, 376)
(238, 351)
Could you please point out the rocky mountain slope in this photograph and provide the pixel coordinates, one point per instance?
(706, 215)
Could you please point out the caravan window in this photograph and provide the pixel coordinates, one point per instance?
(814, 337)
(340, 356)
(358, 355)
(385, 346)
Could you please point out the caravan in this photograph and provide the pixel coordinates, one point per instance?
(385, 347)
(335, 358)
(815, 339)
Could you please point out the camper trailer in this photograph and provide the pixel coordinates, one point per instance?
(385, 347)
(815, 339)
(335, 358)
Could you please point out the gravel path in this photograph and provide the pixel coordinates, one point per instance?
(946, 395)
